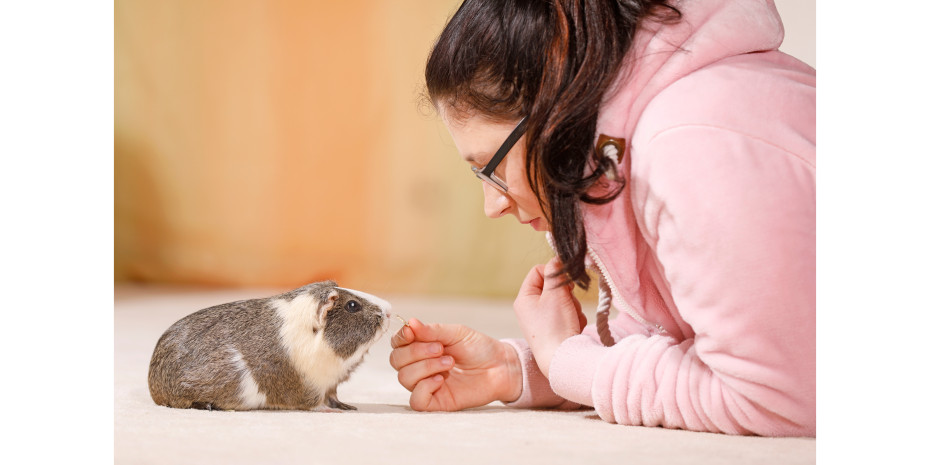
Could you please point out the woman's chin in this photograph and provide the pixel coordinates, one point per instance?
(539, 225)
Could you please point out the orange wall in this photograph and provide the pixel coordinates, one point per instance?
(275, 143)
(272, 143)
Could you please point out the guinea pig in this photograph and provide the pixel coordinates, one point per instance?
(289, 351)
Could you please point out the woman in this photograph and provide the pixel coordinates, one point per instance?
(669, 146)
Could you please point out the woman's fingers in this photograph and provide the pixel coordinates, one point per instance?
(445, 334)
(582, 320)
(413, 374)
(403, 356)
(403, 337)
(415, 330)
(422, 394)
(533, 283)
(418, 351)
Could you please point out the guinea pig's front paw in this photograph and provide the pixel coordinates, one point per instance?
(333, 402)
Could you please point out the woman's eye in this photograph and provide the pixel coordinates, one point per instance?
(353, 306)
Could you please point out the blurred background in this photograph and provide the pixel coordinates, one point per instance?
(273, 143)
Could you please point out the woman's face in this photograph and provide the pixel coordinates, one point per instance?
(477, 139)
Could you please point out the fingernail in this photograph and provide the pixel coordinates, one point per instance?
(435, 348)
(446, 361)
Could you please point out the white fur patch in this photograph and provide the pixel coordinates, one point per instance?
(249, 394)
(309, 353)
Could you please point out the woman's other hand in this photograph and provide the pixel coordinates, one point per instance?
(548, 313)
(453, 367)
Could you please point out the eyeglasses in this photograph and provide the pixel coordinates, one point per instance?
(486, 174)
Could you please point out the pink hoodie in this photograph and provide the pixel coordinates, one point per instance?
(710, 249)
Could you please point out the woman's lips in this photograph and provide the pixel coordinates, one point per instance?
(536, 223)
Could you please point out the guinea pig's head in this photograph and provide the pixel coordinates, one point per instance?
(352, 320)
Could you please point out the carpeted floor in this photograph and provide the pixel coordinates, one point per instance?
(384, 429)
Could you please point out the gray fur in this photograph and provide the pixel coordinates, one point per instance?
(193, 363)
(347, 331)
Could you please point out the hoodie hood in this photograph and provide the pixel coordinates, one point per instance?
(710, 248)
(661, 55)
(708, 31)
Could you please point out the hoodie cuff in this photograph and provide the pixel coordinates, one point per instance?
(573, 368)
(536, 391)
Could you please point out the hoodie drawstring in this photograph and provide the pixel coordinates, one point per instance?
(604, 297)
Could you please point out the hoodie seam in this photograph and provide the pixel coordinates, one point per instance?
(733, 131)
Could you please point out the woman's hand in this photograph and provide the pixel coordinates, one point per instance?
(453, 367)
(548, 313)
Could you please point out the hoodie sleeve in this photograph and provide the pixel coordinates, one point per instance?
(536, 391)
(731, 221)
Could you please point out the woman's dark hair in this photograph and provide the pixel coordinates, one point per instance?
(552, 62)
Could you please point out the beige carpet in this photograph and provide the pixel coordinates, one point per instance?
(384, 429)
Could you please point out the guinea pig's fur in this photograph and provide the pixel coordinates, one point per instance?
(288, 351)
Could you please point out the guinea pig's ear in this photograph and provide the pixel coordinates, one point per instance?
(327, 304)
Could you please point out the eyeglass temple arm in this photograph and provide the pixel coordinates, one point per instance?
(505, 147)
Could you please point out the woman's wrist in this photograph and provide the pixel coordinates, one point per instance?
(511, 387)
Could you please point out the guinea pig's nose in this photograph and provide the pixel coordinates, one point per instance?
(386, 308)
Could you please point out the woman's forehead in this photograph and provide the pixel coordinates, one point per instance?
(476, 136)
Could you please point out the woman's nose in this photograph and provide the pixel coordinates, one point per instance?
(496, 203)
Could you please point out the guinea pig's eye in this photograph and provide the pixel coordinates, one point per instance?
(353, 306)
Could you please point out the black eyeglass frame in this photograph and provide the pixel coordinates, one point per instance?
(486, 174)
